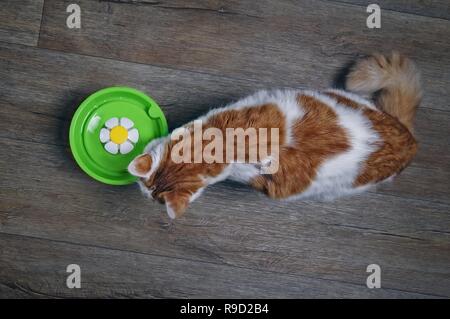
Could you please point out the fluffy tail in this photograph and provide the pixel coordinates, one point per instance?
(396, 81)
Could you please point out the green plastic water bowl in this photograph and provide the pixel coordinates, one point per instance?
(110, 128)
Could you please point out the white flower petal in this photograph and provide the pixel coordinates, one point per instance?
(126, 123)
(133, 135)
(104, 135)
(111, 147)
(112, 122)
(126, 147)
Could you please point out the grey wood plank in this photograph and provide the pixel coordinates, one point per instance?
(430, 8)
(20, 21)
(37, 267)
(274, 42)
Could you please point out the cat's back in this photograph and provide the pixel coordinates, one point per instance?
(349, 143)
(395, 145)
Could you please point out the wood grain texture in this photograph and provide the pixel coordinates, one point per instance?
(55, 215)
(119, 274)
(20, 21)
(279, 43)
(429, 8)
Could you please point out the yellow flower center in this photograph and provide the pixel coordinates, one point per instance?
(119, 134)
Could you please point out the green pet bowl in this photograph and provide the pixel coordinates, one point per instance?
(110, 128)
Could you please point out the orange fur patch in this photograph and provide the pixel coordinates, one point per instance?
(395, 152)
(266, 116)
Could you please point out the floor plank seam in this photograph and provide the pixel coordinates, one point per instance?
(212, 75)
(160, 4)
(40, 23)
(427, 201)
(162, 67)
(374, 231)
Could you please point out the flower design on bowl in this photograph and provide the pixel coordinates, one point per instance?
(119, 136)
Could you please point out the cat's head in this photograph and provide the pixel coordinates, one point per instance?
(161, 179)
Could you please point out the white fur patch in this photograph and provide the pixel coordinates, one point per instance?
(196, 194)
(144, 189)
(335, 177)
(243, 172)
(208, 180)
(156, 150)
(170, 211)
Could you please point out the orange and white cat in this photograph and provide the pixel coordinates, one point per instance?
(331, 142)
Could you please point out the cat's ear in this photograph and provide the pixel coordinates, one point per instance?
(141, 165)
(176, 203)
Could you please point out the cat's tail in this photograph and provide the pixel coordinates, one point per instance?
(396, 82)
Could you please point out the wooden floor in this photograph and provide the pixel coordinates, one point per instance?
(191, 56)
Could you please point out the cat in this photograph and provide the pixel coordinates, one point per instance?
(330, 143)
